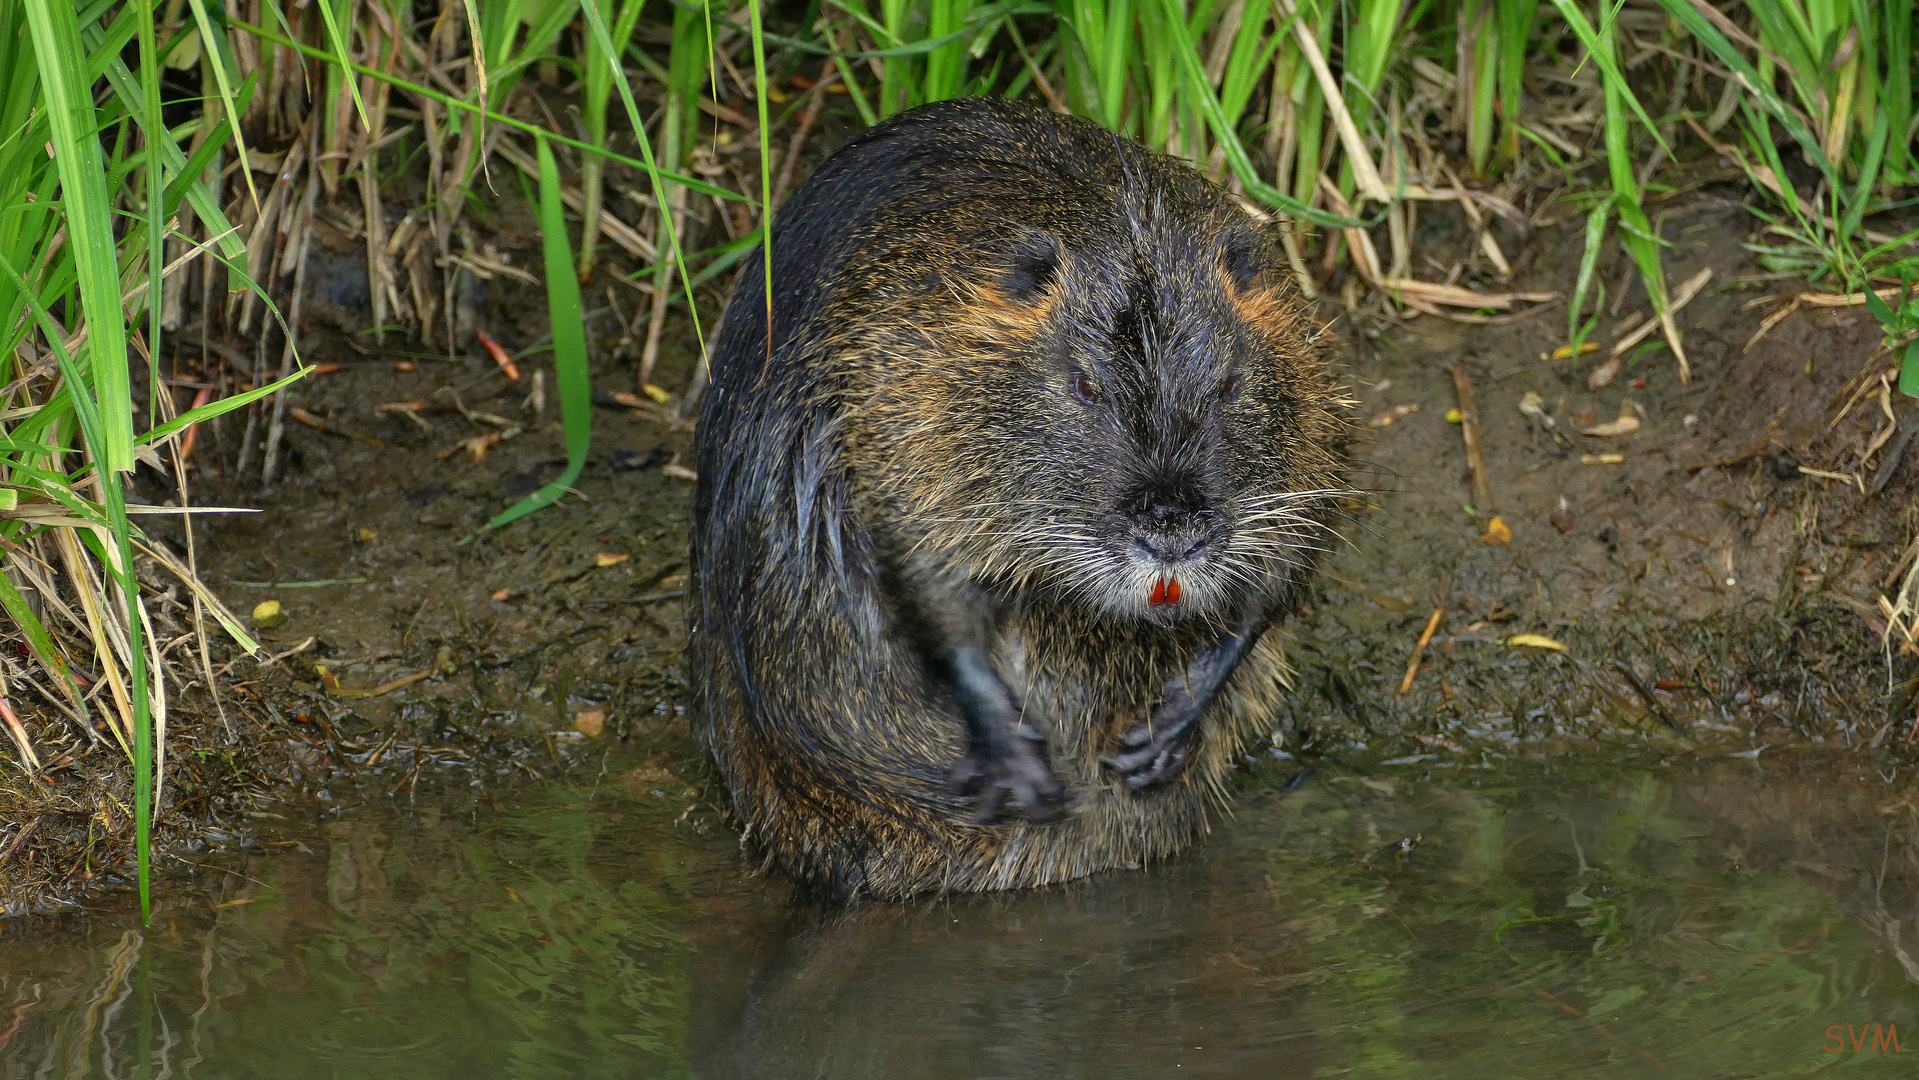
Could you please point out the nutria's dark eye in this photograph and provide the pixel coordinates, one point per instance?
(1084, 390)
(1229, 388)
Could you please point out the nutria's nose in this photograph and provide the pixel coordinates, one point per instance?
(1161, 548)
(1171, 534)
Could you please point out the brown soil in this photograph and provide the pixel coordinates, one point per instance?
(1713, 599)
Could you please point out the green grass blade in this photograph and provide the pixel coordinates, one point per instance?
(39, 642)
(146, 772)
(205, 205)
(1861, 197)
(1602, 54)
(89, 220)
(215, 41)
(1200, 92)
(214, 409)
(1896, 95)
(1588, 265)
(1759, 88)
(569, 342)
(1515, 28)
(334, 38)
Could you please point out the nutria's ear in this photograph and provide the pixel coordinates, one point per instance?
(1243, 258)
(1033, 265)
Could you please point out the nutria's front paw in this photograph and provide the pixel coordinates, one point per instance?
(1018, 766)
(1154, 753)
(1147, 760)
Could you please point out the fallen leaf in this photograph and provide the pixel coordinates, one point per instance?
(1534, 641)
(1455, 416)
(1565, 352)
(499, 355)
(1625, 425)
(503, 594)
(1630, 414)
(1497, 532)
(1601, 459)
(1605, 373)
(590, 723)
(268, 614)
(658, 395)
(1393, 415)
(367, 536)
(610, 558)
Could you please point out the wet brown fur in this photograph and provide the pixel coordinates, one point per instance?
(893, 434)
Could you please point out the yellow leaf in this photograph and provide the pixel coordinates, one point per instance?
(610, 558)
(1601, 459)
(268, 614)
(1535, 641)
(1497, 532)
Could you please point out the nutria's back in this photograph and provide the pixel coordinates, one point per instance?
(992, 522)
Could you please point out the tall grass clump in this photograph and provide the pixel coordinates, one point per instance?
(91, 179)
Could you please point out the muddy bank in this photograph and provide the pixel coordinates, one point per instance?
(1712, 597)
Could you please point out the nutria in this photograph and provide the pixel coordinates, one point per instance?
(1037, 447)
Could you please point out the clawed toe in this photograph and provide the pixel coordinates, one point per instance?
(1146, 761)
(1022, 772)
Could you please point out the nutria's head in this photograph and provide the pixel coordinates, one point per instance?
(1104, 391)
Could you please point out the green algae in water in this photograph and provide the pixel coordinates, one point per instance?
(1702, 922)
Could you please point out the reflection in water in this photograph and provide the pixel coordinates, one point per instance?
(1721, 922)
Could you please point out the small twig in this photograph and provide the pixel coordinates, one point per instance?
(1895, 452)
(1646, 695)
(1419, 649)
(332, 683)
(1469, 429)
(19, 839)
(1736, 459)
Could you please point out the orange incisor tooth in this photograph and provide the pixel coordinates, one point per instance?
(1172, 590)
(1159, 592)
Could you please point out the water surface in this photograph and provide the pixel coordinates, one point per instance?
(1713, 920)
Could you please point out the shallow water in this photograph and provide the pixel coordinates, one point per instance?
(1741, 918)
